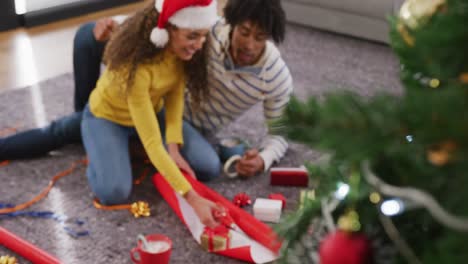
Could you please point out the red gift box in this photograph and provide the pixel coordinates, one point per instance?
(289, 176)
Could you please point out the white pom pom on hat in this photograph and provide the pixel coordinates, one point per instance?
(159, 37)
(193, 14)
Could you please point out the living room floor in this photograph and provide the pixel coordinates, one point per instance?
(31, 55)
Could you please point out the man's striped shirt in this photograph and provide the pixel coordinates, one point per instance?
(234, 90)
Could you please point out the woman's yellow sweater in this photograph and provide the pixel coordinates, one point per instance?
(155, 83)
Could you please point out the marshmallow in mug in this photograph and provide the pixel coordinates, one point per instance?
(230, 142)
(156, 246)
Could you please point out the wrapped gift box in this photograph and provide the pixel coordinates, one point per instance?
(289, 176)
(279, 197)
(267, 210)
(215, 239)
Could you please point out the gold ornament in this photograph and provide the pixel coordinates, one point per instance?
(409, 40)
(8, 260)
(441, 154)
(306, 195)
(375, 197)
(349, 222)
(140, 209)
(414, 12)
(434, 83)
(464, 78)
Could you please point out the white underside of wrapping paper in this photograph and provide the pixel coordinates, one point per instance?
(258, 252)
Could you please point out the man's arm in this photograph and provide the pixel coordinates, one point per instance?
(273, 147)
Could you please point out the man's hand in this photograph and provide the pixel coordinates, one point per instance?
(204, 208)
(173, 150)
(250, 164)
(103, 29)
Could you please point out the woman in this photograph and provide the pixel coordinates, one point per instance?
(140, 77)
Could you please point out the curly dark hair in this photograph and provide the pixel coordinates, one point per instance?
(130, 46)
(269, 15)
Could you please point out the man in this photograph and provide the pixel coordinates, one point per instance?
(244, 68)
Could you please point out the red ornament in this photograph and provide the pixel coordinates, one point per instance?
(345, 248)
(241, 200)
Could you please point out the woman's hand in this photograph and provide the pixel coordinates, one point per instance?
(203, 208)
(173, 150)
(104, 28)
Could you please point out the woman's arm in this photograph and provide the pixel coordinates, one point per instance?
(146, 123)
(174, 117)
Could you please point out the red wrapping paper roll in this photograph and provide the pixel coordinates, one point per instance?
(289, 176)
(25, 249)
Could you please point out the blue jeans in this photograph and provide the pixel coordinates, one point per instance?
(197, 151)
(109, 171)
(87, 57)
(87, 54)
(36, 142)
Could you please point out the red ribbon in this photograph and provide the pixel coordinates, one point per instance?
(279, 197)
(223, 217)
(241, 200)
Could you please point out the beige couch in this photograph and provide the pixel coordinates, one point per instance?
(360, 18)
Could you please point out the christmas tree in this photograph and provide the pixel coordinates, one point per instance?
(393, 185)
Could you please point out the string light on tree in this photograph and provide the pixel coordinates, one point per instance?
(409, 138)
(392, 207)
(342, 192)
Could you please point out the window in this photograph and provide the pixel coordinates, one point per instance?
(24, 6)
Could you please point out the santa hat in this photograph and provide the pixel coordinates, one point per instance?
(193, 14)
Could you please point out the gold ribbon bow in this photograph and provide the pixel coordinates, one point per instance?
(8, 260)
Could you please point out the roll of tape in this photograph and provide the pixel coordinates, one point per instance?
(229, 163)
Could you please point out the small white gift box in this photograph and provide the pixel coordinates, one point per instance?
(267, 210)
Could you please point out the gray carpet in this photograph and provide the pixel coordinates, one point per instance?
(319, 61)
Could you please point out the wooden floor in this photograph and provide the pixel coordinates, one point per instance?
(30, 55)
